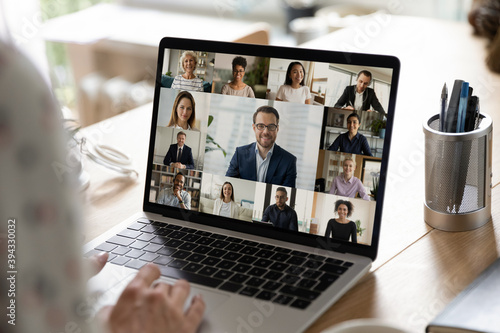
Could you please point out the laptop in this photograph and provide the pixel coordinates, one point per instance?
(266, 209)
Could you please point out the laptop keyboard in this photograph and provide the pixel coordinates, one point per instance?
(253, 269)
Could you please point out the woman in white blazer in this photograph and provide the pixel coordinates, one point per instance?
(225, 205)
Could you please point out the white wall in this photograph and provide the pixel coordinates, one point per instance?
(381, 74)
(304, 201)
(260, 190)
(166, 61)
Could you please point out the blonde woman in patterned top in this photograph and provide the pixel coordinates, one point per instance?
(188, 80)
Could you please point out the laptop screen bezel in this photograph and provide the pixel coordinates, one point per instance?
(304, 54)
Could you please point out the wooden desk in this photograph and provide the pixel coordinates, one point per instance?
(419, 269)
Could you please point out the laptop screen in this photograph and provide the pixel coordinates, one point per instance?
(280, 142)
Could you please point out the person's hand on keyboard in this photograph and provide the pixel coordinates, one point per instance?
(144, 307)
(95, 263)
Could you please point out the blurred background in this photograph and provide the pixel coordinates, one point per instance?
(100, 55)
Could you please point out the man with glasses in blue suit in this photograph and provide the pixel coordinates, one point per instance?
(264, 161)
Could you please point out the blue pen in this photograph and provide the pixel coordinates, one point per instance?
(462, 107)
(444, 101)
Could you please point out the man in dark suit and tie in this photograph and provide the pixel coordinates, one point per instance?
(179, 155)
(359, 97)
(263, 160)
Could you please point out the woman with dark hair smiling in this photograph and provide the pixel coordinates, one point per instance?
(183, 112)
(341, 228)
(237, 87)
(294, 89)
(225, 205)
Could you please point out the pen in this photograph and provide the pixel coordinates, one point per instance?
(444, 101)
(440, 167)
(478, 115)
(452, 111)
(462, 107)
(470, 118)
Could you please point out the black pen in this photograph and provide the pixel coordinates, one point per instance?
(444, 101)
(478, 115)
(452, 111)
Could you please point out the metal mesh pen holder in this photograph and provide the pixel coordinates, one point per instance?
(457, 176)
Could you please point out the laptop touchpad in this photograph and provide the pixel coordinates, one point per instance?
(106, 287)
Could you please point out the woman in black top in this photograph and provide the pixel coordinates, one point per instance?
(342, 228)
